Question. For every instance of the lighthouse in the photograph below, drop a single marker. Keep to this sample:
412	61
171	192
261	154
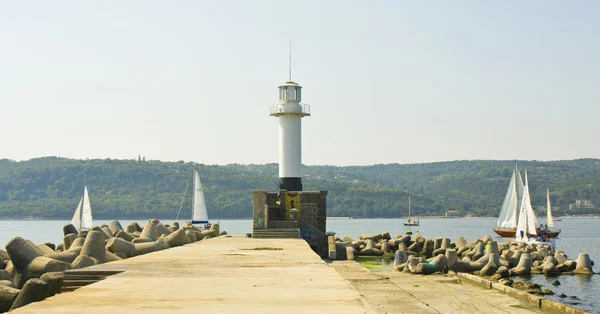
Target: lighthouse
291	212
290	111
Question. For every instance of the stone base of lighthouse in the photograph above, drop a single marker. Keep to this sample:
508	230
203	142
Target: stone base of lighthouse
292	214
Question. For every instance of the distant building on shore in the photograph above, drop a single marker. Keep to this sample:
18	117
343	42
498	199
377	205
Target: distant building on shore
452	213
582	204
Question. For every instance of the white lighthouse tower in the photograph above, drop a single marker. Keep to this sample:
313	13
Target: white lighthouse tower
289	111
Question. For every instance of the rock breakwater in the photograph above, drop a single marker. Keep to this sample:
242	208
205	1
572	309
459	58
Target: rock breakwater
31	273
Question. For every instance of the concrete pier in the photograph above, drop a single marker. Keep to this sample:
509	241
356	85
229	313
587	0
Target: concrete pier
246	275
397	292
220	275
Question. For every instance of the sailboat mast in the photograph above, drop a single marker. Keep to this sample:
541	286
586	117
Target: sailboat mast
526	191
193	197
409	206
515	175
81	208
81	211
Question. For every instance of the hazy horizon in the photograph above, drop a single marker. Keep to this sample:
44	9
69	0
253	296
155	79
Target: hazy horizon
413	163
388	82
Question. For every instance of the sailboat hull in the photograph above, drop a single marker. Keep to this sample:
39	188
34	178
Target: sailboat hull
510	233
204	225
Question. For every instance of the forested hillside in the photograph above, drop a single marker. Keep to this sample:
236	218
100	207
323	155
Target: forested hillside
51	187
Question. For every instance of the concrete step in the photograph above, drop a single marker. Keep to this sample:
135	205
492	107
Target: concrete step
275	236
278	230
74	284
75	279
277	233
103	273
84	277
282	224
79	283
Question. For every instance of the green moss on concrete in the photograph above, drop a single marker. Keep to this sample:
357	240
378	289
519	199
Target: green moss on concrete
375	263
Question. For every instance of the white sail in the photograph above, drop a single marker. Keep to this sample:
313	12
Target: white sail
199	212
549	222
76	221
520	189
86	214
508	213
522	226
409	206
532	221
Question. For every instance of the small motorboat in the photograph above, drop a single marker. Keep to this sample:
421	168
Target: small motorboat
411	222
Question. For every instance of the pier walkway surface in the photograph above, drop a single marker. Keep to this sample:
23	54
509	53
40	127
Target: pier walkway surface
396	292
245	275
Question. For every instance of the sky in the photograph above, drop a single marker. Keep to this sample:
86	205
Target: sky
387	81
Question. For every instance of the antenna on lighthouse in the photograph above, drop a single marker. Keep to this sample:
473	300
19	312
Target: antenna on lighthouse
290	60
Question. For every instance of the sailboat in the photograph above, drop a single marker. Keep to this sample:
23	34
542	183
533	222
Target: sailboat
507	221
199	212
516	199
549	219
82	219
409	221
